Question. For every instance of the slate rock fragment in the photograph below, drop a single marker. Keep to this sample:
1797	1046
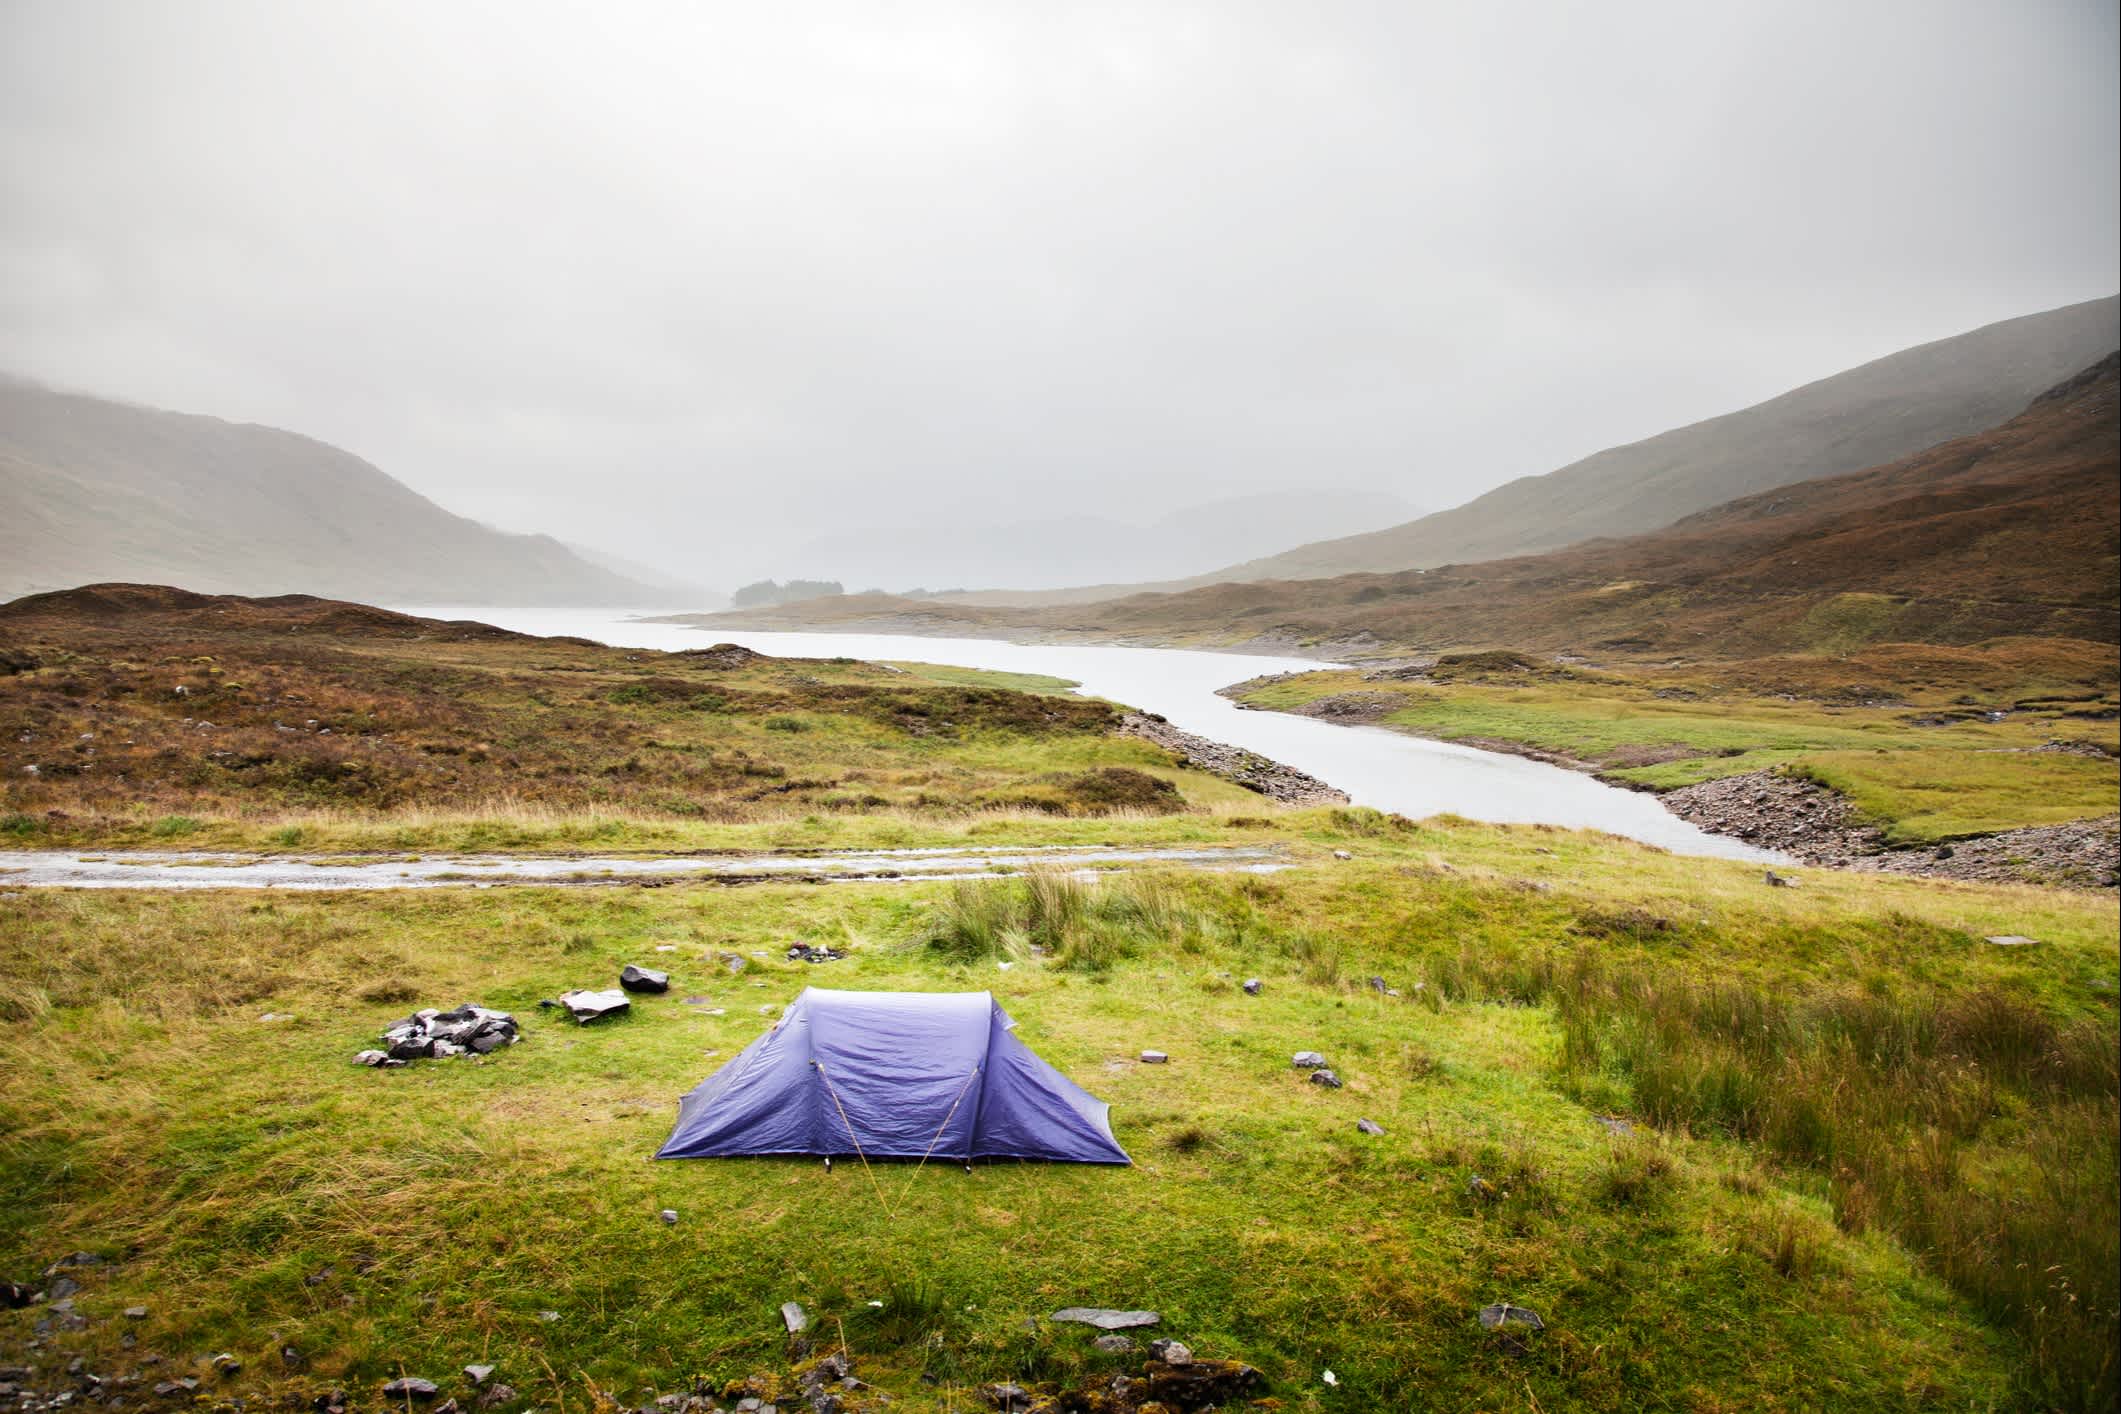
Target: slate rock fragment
411	1387
1308	1060
586	1007
1325	1078
634	978
1106	1320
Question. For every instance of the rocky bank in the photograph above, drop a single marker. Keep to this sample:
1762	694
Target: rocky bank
1248	769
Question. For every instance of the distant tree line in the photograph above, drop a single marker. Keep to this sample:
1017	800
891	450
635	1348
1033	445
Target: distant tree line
767	591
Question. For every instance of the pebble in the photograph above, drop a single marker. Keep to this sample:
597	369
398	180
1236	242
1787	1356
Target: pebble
136	1313
1253	986
1154	1058
669	1217
794	1317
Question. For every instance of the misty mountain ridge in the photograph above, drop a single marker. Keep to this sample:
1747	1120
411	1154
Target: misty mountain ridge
1093	546
1877	412
96	489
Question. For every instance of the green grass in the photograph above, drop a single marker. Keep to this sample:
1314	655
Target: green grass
991	677
1544	976
1921	783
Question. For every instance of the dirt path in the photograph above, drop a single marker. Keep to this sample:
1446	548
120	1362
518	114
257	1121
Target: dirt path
143	870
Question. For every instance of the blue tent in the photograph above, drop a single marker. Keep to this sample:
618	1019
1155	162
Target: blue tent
895	1075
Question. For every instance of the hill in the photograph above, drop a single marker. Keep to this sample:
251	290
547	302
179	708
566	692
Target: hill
2010	531
1878	412
92	489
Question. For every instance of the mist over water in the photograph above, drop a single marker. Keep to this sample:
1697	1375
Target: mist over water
1376	767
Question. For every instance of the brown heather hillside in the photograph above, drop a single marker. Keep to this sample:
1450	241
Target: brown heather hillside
2007	533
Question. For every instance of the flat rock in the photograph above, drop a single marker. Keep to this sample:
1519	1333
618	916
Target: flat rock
1115	1344
1253	986
1106	1320
136	1313
2012	940
1502	1313
478	1374
794	1317
1308	1060
411	1387
586	1007
1369	1126
1154	1058
1325	1078
642	979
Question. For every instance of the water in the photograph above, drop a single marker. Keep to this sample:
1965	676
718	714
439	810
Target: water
1376	767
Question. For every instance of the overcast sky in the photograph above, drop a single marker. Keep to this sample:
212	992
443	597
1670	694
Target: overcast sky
704	281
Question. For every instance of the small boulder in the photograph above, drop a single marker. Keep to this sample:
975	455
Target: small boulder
1342	854
1326	1079
1253	986
1171	1352
1502	1313
1368	1126
1780	881
586	1007
1308	1060
643	979
1154	1058
371	1057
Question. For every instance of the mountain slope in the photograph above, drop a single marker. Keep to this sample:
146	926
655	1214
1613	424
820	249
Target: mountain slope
2010	531
92	489
1883	410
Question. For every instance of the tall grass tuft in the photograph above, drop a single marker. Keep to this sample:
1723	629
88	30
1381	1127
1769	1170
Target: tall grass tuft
1084	925
1892	1097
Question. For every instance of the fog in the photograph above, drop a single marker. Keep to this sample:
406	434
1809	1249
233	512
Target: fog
708	284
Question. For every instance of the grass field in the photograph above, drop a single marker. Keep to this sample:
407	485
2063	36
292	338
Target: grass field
1859	1127
1925	763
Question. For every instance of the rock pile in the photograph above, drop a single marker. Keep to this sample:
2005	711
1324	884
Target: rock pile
813	952
469	1030
1248	769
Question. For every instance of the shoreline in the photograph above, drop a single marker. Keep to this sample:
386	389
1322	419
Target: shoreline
1816	825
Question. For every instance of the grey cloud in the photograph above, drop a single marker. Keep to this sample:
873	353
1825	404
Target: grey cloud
704	283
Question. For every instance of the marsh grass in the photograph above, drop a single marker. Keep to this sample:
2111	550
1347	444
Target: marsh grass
145	1112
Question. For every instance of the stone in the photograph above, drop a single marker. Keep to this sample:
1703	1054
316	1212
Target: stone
1308	1060
291	1358
1613	1124
371	1057
1502	1313
2012	940
1780	881
494	1396
730	960
1369	1126
1325	1078
1377	984
62	1288
136	1313
794	1317
813	952
1106	1320
183	1385
411	1387
1253	986
1171	1352
1154	1058
1480	1188
586	1007
642	979
478	1374
1005	1397
1114	1344
669	1217
549	1317
1342	854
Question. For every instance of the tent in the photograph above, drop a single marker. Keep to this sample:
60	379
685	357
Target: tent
898	1075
